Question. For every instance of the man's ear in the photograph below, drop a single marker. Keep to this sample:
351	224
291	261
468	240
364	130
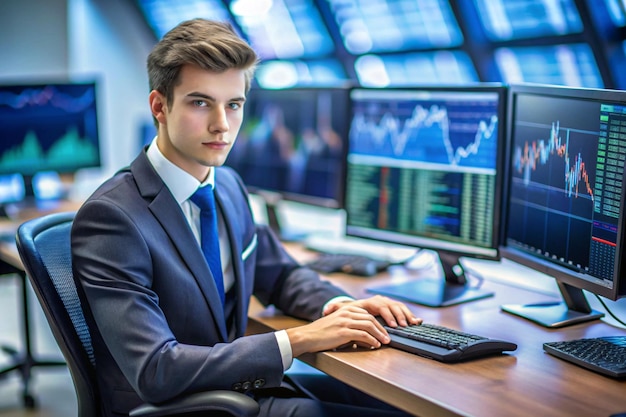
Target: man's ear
158	106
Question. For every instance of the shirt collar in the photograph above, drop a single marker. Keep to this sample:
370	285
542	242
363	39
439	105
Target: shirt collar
180	183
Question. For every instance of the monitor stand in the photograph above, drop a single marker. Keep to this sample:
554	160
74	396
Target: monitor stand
572	310
437	292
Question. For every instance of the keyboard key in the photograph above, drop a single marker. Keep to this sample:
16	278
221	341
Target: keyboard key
383	251
360	265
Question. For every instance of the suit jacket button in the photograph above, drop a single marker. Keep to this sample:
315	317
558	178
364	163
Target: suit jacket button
246	385
237	386
259	383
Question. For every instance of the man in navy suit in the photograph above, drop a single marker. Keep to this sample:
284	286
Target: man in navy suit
159	327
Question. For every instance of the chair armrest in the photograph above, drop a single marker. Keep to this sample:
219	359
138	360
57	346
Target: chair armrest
232	402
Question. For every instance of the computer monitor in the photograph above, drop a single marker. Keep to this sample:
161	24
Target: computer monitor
565	199
292	145
47	129
424	169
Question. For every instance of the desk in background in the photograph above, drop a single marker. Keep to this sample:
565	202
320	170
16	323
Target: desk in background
11	265
526	382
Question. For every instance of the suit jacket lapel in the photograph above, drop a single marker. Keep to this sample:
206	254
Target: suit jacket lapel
168	213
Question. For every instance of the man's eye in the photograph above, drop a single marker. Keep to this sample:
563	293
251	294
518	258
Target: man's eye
235	106
199	103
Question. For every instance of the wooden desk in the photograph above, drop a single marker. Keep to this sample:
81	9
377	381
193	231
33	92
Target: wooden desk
526	382
9	257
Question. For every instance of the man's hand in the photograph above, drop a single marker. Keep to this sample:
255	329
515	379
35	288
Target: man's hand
347	324
393	312
351	322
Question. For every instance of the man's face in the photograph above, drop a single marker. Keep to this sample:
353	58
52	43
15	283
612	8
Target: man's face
199	128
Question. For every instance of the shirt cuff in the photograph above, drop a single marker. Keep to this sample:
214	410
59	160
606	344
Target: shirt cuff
338	299
284	346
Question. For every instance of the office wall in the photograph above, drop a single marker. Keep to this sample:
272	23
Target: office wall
33	38
106	40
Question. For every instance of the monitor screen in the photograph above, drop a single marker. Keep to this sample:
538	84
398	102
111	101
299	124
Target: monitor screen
292	143
565	190
572	64
424	169
48	128
505	20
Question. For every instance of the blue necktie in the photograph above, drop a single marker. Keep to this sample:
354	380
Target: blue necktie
203	198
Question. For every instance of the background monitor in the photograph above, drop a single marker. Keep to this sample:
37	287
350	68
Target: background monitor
47	129
292	145
424	169
565	193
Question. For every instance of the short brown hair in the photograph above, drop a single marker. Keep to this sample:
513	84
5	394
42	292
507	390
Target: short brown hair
211	45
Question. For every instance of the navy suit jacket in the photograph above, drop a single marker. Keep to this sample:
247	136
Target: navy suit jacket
157	326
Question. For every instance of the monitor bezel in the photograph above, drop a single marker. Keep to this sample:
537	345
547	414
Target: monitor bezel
558	272
437	244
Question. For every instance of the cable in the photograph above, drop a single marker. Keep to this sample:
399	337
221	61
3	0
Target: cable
608	310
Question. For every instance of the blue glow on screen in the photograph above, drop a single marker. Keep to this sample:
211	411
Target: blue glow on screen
286	74
48	127
572	65
419	68
283	28
163	15
390	26
514	19
617	11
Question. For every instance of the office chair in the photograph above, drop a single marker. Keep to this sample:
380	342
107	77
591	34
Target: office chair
44	247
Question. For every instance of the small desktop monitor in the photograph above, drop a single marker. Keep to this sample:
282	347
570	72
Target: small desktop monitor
424	168
565	199
293	142
291	146
47	129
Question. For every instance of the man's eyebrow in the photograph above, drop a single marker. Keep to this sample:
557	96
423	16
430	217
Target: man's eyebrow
211	98
201	95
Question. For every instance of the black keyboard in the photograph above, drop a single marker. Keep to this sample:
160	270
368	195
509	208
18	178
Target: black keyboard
347	263
605	355
444	344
